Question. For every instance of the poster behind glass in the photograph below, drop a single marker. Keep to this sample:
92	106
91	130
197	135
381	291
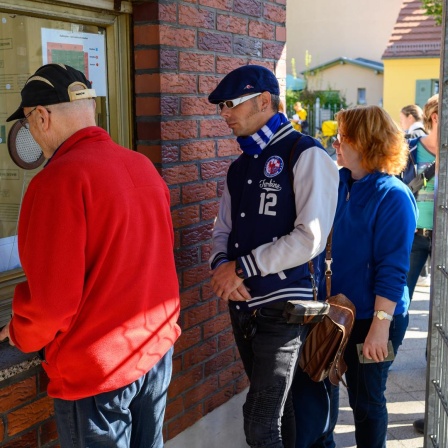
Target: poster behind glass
26	43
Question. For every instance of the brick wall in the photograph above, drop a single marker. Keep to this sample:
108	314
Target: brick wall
26	412
182	50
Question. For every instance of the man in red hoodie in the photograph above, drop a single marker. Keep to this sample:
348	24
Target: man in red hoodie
96	244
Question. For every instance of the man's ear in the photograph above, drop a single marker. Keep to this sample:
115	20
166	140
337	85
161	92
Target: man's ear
265	100
43	117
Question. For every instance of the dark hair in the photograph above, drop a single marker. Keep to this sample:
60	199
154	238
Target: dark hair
414	110
275	102
372	132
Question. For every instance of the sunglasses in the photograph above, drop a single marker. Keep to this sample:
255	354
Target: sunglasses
230	104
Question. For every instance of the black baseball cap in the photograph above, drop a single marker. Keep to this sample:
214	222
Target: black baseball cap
245	80
50	85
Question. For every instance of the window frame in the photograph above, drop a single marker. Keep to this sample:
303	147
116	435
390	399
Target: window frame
117	25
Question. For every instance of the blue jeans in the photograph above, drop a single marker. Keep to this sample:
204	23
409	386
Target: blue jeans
270	359
315	410
421	250
367	384
129	417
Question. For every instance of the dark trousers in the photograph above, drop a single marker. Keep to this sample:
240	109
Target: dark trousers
367	384
421	250
270	359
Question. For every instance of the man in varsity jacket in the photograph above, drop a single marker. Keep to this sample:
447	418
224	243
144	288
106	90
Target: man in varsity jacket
275	214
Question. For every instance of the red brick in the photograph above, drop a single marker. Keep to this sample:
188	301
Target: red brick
197	150
209	210
212	41
176	426
170	153
217	363
153	152
146	35
178	83
186	258
197	106
207	293
187	339
146	59
214	128
216	325
180	174
206	250
248	7
176	240
28	440
228	147
226	339
43	381
262	30
145	12
190	297
48	432
196	315
177	37
208	83
197	234
147	106
186	381
225	64
274	50
185	216
198	192
204	389
241	384
195	62
174	408
274	13
147	83
29	415
230	373
177	130
219	398
174	196
148	130
218	4
167	12
217	168
2	430
17	394
197	355
247	46
232	24
280	33
200	18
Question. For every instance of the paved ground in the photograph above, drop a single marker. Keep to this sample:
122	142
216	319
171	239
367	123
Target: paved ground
222	428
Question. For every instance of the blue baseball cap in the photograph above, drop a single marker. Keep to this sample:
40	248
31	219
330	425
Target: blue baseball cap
245	80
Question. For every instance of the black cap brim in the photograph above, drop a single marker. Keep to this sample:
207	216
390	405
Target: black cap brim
17	115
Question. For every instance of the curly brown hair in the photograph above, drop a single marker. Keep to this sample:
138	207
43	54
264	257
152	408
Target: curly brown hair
372	132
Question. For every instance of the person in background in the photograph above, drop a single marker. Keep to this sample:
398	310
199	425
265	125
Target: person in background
411	121
423	152
275	213
92	299
372	237
299	118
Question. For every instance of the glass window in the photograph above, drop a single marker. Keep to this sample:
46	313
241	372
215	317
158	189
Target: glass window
361	96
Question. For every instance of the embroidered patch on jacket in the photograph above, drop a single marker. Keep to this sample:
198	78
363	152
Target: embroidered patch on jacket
273	167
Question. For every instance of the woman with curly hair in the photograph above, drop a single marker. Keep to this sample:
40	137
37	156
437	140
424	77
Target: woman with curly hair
372	238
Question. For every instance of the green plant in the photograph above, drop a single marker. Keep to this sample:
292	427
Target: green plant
434	8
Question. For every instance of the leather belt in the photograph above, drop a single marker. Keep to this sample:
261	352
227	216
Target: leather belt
424	232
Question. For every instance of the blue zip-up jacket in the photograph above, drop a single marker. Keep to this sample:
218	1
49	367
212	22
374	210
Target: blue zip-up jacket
275	215
372	238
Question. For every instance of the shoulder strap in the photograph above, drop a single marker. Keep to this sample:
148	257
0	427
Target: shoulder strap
328	261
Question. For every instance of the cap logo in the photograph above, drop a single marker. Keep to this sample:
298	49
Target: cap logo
248	87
